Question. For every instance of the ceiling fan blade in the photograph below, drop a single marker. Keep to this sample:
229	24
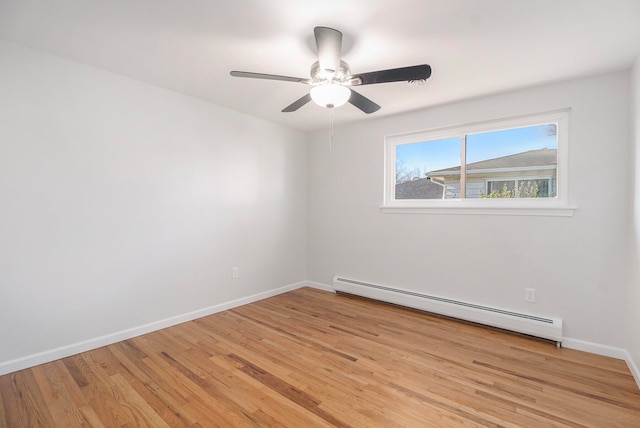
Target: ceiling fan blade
297	104
329	43
416	72
268	76
363	103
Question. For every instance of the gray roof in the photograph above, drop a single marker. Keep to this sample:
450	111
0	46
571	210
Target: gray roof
542	157
422	188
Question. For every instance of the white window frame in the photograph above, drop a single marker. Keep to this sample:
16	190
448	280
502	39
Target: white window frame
556	206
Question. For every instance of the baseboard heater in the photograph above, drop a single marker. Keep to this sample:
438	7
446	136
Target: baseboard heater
538	326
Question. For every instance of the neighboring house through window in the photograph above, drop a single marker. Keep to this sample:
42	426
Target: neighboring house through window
529	174
523	160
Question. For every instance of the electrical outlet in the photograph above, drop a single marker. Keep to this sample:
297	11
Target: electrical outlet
235	272
530	295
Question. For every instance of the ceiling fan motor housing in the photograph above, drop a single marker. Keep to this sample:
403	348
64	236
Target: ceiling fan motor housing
341	76
331	78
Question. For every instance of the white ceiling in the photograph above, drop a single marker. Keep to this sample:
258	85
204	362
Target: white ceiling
475	47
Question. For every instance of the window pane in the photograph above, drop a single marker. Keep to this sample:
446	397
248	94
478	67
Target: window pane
513	163
500	186
416	161
524	159
534	188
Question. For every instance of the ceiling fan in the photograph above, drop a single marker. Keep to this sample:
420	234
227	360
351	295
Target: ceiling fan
331	79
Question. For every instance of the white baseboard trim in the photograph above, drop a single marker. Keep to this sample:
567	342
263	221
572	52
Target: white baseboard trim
87	345
633	368
594	348
320	286
607	351
578	345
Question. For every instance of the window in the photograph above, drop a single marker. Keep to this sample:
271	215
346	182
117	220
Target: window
515	166
519	188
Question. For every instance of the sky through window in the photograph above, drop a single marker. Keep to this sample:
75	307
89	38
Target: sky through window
445	153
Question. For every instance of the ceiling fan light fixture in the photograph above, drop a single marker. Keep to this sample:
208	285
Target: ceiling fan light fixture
331	77
330	95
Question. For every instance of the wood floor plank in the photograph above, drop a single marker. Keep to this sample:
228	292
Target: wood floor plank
312	358
57	398
101	392
25	407
156	390
3	421
143	412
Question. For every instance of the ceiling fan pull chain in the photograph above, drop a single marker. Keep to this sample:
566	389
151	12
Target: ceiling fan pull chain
330	132
331	79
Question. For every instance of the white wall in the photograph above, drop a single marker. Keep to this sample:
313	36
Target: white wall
578	265
122	204
633	311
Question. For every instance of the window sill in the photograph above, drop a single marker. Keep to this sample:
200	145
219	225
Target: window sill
456	207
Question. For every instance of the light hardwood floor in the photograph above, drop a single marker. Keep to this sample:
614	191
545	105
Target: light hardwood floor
311	358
